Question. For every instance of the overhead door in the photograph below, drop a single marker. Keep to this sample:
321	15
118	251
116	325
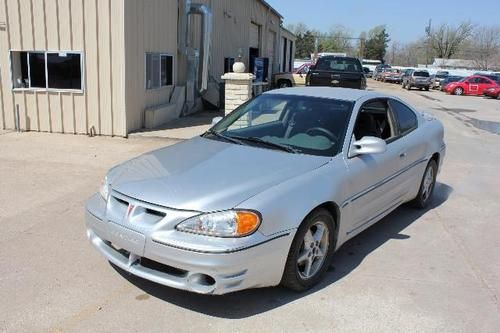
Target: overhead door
254	35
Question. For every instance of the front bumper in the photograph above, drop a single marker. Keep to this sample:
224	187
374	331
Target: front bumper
201	264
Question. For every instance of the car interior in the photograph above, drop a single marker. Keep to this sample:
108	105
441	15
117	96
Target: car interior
313	125
374	120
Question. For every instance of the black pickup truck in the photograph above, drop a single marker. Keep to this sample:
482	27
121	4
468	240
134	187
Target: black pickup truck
333	71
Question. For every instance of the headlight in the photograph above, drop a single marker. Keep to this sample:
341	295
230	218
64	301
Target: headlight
232	223
104	190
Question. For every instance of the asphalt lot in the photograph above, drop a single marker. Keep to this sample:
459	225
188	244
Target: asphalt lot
415	271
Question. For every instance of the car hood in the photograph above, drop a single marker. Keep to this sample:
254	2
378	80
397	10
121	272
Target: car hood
207	175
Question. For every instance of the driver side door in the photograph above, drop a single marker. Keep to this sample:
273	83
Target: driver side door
373	182
472	86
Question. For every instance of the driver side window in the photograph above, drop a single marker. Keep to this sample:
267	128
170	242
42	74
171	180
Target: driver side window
374	119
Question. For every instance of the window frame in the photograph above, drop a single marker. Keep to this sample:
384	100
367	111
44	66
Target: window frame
396	119
390	116
160	54
45	52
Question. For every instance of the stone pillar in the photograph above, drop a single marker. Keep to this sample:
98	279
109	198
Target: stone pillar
238	89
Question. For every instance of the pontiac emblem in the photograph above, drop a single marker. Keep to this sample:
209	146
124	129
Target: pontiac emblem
130	209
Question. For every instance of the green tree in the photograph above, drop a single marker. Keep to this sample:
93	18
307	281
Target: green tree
336	40
305	44
377	42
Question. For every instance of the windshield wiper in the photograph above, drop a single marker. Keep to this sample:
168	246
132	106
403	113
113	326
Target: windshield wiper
267	143
222	136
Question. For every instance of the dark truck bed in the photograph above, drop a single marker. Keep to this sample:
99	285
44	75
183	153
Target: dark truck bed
331	71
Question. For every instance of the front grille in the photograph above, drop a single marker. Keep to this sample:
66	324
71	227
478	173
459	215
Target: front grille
134	210
154	265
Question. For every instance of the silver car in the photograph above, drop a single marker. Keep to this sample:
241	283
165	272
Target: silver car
268	194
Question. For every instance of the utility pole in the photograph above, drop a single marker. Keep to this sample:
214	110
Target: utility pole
316	48
428	33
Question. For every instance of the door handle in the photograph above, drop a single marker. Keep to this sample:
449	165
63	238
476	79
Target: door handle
402	155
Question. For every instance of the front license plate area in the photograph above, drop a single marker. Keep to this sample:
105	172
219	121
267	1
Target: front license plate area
126	239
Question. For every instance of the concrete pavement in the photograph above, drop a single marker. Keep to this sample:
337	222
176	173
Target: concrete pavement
415	271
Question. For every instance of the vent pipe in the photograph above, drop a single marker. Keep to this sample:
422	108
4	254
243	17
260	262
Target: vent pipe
206	39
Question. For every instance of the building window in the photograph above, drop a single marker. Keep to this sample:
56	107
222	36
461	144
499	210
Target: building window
46	70
159	70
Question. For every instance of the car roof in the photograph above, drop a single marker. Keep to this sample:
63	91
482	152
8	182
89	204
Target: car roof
345	94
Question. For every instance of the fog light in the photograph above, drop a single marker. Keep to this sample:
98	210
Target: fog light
201	283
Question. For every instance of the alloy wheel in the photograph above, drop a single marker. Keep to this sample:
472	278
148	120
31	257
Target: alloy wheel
427	184
313	250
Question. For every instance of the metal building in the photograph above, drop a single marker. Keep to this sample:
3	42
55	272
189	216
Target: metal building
114	66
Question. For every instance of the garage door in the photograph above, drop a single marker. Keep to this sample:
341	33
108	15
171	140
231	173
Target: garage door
254	35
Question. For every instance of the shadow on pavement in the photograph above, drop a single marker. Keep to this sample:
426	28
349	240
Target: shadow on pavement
252	302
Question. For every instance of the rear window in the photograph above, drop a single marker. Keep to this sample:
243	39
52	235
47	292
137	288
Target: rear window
421	74
338	64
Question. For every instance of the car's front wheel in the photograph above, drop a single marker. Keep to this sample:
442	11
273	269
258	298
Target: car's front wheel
311	251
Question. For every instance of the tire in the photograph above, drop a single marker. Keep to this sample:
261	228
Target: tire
284	84
427	186
408	86
459	91
498	96
427	89
305	266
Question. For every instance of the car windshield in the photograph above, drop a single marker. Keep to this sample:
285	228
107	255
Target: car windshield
295	124
421	74
338	64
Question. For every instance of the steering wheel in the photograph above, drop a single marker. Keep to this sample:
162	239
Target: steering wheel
322	130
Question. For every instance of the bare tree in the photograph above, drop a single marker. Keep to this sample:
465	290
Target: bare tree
446	40
486	46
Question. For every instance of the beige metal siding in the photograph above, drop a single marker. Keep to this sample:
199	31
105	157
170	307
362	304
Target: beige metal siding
233	22
93	27
150	26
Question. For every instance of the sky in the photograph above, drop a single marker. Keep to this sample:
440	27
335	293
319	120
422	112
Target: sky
405	20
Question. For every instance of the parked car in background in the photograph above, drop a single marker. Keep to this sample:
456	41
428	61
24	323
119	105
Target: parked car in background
450	79
493	92
333	71
493	77
320	166
367	72
378	71
405	73
471	85
392	75
295	79
419	79
439	77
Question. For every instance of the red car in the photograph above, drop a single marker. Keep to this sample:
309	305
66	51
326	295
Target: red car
472	85
493	92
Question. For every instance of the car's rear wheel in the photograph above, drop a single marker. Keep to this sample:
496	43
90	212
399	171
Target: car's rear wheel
284	84
311	251
426	186
458	91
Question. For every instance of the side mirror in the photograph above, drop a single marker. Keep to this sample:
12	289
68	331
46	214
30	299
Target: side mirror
367	145
216	120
